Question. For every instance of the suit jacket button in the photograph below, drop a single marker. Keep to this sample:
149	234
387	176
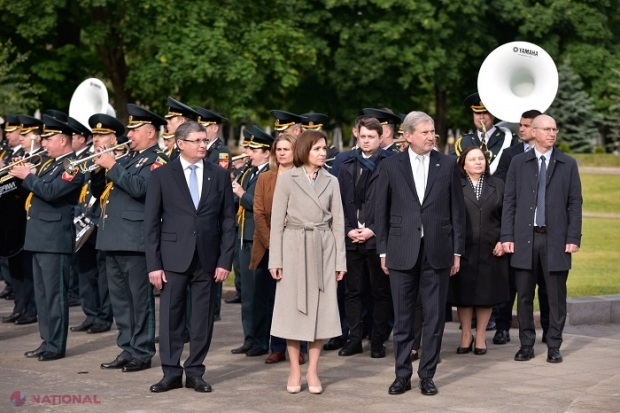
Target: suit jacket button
105	216
28	218
194	233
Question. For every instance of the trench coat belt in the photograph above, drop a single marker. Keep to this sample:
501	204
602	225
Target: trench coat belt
315	238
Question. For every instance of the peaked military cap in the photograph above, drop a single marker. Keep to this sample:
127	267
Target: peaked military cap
61	116
139	116
29	124
102	124
284	119
313	120
53	126
402	117
207	117
11	123
474	103
383	116
259	139
247	137
167	135
176	108
76	124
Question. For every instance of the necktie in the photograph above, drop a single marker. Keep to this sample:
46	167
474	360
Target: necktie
419	178
542	184
253	172
193	185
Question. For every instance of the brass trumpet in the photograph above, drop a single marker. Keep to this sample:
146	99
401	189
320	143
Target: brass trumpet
238	157
73	166
4	172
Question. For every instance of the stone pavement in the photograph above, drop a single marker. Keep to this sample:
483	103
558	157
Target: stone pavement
587	381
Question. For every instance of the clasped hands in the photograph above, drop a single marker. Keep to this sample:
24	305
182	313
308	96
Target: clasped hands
360	235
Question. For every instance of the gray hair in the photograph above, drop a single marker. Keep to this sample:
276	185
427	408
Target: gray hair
186	128
414	119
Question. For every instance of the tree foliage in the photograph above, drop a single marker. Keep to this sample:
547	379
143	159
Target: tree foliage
17	95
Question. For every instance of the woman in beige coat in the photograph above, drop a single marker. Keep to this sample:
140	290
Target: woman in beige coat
307	256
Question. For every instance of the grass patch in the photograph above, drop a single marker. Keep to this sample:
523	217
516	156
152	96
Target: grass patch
601	160
601	193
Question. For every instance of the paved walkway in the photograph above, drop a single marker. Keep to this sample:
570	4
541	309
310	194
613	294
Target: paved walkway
599	170
587	381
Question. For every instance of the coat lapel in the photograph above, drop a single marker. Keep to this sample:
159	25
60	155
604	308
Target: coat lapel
206	183
407	173
468	192
179	177
322	182
433	170
488	189
552	164
300	178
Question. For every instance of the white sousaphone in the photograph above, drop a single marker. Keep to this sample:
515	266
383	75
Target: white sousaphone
89	98
517	77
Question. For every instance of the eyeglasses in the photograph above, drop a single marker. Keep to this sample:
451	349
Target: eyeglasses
197	141
549	130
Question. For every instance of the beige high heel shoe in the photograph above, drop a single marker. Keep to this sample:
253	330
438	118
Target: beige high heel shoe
293	389
314	389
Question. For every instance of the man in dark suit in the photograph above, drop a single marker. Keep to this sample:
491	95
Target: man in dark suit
420	220
504	316
358	179
541	227
190	235
50	235
121	188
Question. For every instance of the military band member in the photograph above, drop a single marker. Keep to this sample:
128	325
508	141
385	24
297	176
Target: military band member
217	152
390	123
496	139
287	122
57	114
121	188
50	235
94	292
178	113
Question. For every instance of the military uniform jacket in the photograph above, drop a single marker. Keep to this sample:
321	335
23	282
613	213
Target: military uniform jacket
219	154
121	193
49	225
173	152
246	204
494	144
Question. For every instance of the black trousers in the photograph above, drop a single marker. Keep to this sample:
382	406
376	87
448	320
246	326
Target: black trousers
51	282
432	285
255	316
556	292
20	267
504	321
133	303
379	287
172	321
94	292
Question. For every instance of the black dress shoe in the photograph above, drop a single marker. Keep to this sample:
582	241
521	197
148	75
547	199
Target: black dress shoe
350	349
501	337
241	350
216	318
377	352
465	350
525	353
34	353
118	363
82	327
23	320
427	387
98	328
256	351
198	384
136	365
480	351
400	385
166	384
73	302
544	337
235	300
11	318
5	293
49	356
334	344
554	355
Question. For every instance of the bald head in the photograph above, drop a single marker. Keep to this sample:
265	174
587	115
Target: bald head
538	120
545	132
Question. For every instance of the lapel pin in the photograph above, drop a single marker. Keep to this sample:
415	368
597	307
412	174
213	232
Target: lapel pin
436	164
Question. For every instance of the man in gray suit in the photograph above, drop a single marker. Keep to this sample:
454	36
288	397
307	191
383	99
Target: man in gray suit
420	221
541	227
50	235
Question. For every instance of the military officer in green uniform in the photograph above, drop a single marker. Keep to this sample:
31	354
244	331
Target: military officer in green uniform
493	140
50	235
178	113
121	187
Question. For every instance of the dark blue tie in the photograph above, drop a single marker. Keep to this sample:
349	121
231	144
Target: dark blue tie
542	184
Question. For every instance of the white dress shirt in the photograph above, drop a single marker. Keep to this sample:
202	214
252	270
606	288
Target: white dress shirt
199	173
419	181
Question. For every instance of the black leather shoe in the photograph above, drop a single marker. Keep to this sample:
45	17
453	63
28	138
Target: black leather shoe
465	350
544	337
82	327
136	365
216	318
198	384
501	337
481	351
525	353
415	355
73	302
256	351
23	320
98	328
554	355
49	356
34	353
118	363
235	300
166	384
350	349
5	293
11	318
241	350
427	387
11	296
377	352
400	385
334	344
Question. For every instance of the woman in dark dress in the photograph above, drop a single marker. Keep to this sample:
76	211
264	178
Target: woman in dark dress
482	281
